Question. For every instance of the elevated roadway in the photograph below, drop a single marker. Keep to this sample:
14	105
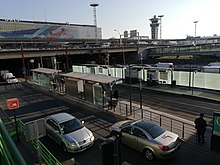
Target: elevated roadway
34	52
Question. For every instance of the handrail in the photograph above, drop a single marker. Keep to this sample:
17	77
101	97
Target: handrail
45	154
9	152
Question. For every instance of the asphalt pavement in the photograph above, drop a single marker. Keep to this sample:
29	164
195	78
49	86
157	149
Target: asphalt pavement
199	93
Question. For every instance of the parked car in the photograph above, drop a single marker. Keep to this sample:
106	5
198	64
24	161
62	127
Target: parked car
12	80
69	132
147	137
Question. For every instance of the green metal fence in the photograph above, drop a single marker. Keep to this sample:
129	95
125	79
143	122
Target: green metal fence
45	154
10	155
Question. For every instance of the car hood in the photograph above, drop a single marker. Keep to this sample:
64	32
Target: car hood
118	125
79	135
12	80
167	138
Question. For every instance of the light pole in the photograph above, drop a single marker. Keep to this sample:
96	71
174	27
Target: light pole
160	18
130	89
119	36
195	22
120	43
32	63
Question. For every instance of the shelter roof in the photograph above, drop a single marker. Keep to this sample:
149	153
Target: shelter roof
46	70
92	77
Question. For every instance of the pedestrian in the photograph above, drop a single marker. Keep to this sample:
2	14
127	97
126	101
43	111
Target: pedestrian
62	85
200	125
115	94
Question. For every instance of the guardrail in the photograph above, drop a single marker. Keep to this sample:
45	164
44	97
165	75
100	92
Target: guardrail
8	150
45	154
184	128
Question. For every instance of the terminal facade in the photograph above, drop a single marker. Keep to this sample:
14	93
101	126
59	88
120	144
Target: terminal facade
21	29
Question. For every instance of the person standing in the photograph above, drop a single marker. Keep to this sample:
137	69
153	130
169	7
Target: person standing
115	94
200	125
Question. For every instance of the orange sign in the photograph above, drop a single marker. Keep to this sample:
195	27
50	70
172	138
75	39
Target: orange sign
13	103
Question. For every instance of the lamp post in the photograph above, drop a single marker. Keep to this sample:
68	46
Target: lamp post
120	43
160	18
119	36
130	89
195	22
32	64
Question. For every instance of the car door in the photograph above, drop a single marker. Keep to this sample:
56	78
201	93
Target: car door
53	131
128	137
142	139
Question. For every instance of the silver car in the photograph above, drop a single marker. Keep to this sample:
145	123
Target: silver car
147	137
68	132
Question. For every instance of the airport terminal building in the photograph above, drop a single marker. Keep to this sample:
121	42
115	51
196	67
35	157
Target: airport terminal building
21	29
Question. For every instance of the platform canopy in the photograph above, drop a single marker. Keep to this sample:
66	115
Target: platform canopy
46	70
93	77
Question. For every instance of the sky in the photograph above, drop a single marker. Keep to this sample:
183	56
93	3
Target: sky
177	23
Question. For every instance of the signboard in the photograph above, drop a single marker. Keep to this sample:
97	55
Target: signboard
216	124
13	103
97	94
35	129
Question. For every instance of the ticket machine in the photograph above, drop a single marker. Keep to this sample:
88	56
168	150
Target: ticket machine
215	139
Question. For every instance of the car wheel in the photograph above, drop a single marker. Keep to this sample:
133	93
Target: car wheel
149	154
64	147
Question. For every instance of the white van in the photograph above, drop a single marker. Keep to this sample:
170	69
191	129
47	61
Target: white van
7	75
12	80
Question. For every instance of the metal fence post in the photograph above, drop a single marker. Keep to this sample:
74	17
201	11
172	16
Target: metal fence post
171	125
183	132
134	111
160	120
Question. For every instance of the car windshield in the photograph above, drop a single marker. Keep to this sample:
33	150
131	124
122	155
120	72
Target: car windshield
127	123
153	129
71	126
11	78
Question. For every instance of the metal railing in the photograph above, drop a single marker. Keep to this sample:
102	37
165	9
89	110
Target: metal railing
9	153
45	154
184	128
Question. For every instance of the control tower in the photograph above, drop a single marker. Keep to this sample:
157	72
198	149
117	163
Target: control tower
154	27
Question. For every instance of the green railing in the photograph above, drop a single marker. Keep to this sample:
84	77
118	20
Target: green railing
10	155
45	154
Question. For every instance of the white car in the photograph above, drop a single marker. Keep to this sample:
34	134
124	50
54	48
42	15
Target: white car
69	132
147	137
12	80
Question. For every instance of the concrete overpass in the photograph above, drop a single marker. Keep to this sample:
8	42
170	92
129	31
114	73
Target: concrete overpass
34	52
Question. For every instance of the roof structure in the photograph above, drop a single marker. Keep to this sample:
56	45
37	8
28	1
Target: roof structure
46	70
92	77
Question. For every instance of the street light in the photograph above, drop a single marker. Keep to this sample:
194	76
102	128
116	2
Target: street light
32	63
195	22
120	43
119	36
160	18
